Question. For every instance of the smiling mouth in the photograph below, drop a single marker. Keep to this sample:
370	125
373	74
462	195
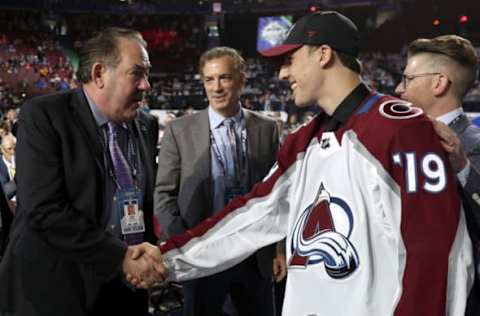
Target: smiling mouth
219	98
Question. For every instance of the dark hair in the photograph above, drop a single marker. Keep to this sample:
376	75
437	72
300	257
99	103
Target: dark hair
350	62
103	48
347	60
222	51
456	49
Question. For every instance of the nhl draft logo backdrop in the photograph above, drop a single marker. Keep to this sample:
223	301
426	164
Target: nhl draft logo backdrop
321	235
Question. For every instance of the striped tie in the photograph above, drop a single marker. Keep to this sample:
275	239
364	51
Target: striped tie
232	138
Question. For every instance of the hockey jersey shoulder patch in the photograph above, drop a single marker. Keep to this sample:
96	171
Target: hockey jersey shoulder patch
399	110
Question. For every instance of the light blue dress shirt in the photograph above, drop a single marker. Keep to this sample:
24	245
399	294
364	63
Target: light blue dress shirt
222	166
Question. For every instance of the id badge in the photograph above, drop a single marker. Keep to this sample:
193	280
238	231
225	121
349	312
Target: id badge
129	204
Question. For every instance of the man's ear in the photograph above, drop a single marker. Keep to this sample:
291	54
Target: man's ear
440	84
325	55
243	78
97	75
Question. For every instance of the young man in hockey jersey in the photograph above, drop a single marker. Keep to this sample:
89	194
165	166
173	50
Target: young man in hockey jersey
363	194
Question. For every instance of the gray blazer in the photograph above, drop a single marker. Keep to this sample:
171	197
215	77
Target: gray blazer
469	135
183	192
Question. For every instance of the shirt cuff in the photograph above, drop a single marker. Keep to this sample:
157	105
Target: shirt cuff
169	266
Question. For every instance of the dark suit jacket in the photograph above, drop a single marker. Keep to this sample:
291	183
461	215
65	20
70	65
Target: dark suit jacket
8	190
6	218
183	191
59	253
4	176
9	185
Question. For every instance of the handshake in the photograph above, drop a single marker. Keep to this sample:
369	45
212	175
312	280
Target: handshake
143	265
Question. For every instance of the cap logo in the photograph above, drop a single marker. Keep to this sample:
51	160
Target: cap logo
311	33
290	30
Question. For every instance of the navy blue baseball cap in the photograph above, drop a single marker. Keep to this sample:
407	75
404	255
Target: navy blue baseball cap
319	28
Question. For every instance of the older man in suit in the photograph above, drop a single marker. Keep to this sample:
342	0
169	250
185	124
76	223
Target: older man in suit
205	160
7	165
438	74
83	157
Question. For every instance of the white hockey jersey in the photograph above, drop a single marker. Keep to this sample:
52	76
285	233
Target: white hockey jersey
371	215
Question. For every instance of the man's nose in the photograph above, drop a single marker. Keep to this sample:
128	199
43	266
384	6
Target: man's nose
284	73
399	89
145	85
217	85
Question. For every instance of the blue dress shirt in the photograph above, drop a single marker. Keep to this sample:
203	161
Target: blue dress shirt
222	166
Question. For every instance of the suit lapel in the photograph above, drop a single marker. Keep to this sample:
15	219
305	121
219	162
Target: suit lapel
87	125
141	131
201	138
253	135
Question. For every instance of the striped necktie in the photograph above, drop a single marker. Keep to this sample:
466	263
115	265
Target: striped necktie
232	138
122	170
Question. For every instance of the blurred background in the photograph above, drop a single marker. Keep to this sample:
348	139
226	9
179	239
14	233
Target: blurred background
39	40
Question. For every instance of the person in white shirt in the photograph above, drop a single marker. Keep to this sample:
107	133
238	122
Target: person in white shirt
438	74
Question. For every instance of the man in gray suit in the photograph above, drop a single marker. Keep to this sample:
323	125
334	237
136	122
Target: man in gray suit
205	160
439	73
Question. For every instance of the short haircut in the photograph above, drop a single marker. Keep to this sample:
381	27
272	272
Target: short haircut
7	138
455	51
103	48
348	61
219	52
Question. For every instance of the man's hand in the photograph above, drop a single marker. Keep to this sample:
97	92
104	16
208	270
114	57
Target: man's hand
452	145
279	267
143	265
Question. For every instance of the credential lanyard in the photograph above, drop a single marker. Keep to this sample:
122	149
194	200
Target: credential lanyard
240	162
131	160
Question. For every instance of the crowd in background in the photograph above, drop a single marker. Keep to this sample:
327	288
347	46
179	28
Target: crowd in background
36	64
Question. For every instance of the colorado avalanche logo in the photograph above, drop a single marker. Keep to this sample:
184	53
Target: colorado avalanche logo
316	239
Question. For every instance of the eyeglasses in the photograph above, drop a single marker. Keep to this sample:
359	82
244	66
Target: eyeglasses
407	78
